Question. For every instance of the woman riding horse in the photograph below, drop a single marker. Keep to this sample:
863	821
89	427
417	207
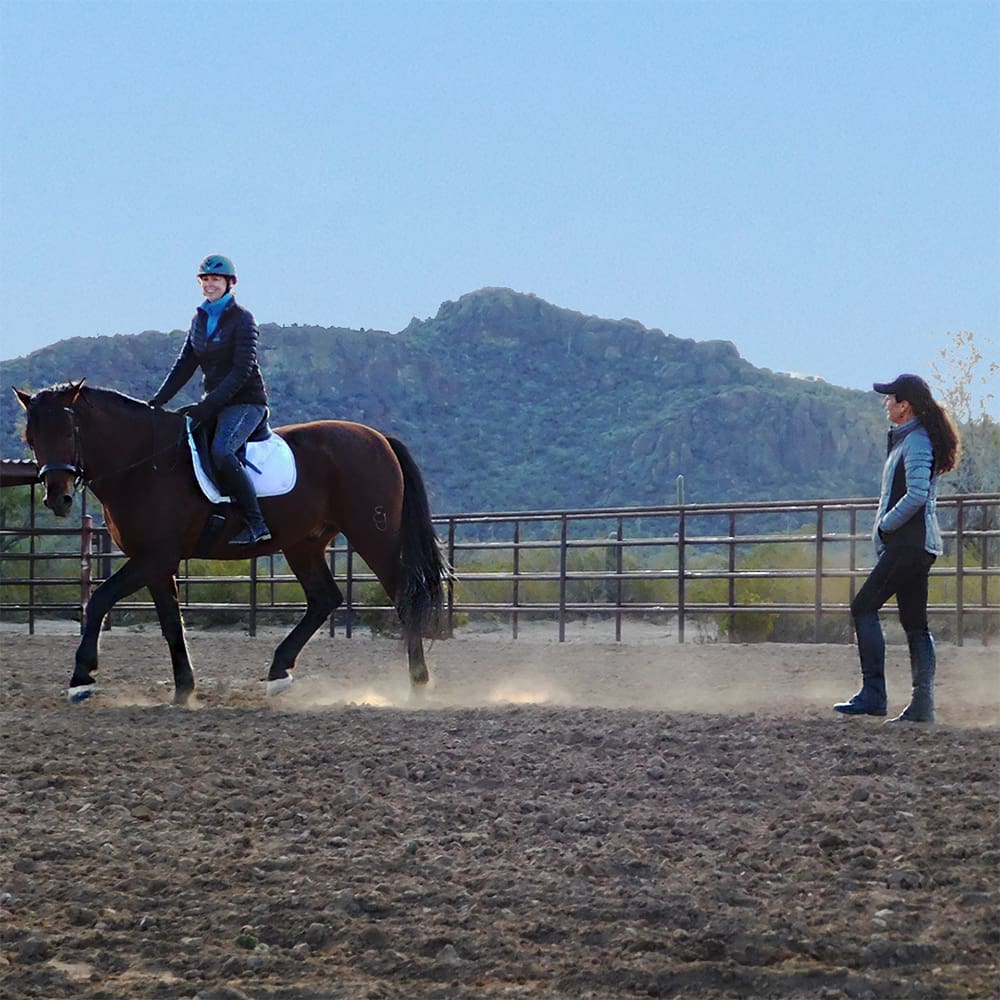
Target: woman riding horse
350	480
222	341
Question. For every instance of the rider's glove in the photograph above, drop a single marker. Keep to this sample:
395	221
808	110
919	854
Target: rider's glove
200	413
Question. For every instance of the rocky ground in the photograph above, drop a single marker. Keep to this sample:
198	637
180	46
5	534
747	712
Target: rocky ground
577	820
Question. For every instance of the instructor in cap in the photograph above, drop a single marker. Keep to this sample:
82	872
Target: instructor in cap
923	444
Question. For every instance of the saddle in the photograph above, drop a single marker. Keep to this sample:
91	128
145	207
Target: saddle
268	460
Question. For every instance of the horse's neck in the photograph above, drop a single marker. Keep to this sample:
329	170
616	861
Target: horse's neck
113	434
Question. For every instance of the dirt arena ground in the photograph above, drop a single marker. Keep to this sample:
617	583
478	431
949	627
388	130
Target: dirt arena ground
576	820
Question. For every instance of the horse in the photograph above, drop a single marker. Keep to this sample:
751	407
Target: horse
350	480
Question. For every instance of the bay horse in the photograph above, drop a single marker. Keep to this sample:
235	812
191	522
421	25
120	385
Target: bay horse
351	480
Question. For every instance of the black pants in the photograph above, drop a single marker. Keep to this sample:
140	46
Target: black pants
901	571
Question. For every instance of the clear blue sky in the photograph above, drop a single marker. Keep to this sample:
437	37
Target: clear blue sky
815	181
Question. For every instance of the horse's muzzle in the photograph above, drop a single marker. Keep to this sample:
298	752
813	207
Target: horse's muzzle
58	503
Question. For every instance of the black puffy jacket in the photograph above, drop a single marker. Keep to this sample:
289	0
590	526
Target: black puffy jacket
228	360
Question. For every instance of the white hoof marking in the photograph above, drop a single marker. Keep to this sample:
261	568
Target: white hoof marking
81	692
281	684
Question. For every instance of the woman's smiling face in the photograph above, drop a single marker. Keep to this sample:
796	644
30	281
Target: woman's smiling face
213	286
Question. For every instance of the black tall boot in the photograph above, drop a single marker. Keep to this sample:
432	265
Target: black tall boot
234	480
871	699
923	665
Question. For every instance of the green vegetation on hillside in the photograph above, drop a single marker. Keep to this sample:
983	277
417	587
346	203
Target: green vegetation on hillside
510	403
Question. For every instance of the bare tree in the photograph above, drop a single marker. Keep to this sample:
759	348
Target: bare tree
967	382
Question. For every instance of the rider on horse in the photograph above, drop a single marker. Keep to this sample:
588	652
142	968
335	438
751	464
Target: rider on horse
222	342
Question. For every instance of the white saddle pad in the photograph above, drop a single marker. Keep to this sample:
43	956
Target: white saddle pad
272	457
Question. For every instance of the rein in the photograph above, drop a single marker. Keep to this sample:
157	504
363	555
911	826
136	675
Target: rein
76	467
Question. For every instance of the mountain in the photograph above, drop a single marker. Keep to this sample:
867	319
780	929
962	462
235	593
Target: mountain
511	403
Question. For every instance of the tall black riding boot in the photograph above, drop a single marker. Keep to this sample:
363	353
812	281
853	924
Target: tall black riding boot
923	665
234	480
871	699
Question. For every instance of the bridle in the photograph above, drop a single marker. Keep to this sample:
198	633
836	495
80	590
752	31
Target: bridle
76	466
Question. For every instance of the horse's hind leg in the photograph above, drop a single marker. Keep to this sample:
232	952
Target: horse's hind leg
323	596
126	580
164	592
384	563
416	661
383	566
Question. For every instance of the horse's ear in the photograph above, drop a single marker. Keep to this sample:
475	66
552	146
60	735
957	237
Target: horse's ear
76	387
24	398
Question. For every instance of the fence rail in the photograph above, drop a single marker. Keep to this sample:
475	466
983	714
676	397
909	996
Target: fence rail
725	564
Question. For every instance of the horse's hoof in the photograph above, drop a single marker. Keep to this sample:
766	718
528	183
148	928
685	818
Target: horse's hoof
81	692
277	686
419	692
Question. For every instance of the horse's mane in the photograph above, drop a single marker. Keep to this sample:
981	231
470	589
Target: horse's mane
53	390
109	401
91	394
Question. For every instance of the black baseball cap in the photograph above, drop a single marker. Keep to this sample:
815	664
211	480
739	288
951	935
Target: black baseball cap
906	388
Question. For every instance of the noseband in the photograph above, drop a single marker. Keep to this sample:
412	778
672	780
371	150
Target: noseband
76	467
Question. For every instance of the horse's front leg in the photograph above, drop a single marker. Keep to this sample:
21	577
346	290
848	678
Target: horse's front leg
164	592
308	562
125	581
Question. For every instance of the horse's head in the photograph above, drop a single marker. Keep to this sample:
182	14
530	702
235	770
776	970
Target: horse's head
52	435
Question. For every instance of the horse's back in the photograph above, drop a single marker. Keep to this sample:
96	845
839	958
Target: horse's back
337	439
311	427
353	460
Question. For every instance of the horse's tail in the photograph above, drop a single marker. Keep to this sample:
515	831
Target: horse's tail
424	568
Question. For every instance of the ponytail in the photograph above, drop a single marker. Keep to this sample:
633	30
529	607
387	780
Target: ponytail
945	440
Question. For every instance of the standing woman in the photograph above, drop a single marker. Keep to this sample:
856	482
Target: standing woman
923	444
222	342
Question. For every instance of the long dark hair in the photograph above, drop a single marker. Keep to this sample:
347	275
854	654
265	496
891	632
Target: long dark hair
941	429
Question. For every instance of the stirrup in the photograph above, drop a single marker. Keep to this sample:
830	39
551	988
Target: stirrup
251	536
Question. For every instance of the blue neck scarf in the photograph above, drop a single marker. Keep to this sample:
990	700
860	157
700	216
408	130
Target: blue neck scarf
214	310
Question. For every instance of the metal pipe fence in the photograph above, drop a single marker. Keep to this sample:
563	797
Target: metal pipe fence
753	570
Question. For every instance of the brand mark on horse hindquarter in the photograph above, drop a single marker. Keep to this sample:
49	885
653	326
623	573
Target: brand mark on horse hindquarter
380	518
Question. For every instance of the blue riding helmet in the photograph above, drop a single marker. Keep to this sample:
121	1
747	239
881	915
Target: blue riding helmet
215	263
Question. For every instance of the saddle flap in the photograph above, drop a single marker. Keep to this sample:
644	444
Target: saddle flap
269	463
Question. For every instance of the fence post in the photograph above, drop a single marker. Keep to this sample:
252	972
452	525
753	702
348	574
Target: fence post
988	516
332	550
349	587
86	543
253	596
516	589
104	548
960	573
681	560
619	566
563	535
853	564
731	592
450	585
32	552
818	598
